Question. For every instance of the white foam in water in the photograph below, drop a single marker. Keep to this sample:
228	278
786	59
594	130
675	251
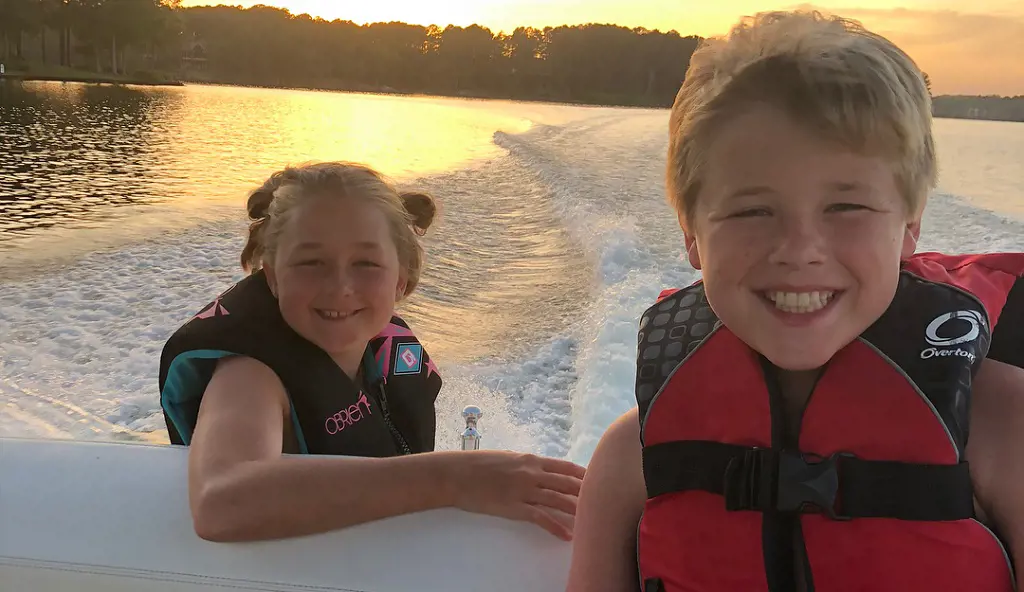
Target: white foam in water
610	194
630	273
80	349
82	346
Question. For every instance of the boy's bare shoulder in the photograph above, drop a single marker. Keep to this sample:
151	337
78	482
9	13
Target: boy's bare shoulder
615	472
625	431
619	453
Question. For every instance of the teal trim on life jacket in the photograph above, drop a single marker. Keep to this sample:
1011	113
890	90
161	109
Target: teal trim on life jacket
186	382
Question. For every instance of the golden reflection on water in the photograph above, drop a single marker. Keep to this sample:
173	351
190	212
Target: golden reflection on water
109	167
249	133
179	156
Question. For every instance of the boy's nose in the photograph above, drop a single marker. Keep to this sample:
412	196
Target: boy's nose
800	242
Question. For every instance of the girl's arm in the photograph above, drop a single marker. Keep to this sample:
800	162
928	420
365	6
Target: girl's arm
242	488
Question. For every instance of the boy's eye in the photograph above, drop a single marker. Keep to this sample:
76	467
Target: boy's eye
751	212
847	207
309	262
367	263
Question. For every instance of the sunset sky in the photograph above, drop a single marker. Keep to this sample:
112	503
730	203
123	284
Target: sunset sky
972	47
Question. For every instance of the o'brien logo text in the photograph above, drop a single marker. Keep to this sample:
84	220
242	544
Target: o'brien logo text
348	416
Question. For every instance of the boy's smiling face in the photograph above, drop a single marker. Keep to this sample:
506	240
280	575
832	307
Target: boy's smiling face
798	239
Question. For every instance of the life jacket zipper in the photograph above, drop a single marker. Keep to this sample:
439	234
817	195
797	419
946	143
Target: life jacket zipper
373	376
382	398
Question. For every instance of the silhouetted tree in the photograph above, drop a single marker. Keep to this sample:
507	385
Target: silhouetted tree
586	63
18	17
269	46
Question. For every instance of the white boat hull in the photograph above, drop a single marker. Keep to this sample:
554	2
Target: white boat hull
112	517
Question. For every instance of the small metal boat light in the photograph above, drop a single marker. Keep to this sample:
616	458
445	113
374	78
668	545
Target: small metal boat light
470	436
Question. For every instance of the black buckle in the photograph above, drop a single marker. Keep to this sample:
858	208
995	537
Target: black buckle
785	481
815	483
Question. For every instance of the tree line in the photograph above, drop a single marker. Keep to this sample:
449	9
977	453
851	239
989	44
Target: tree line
989	107
269	46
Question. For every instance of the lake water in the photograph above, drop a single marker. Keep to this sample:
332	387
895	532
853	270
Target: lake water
122	212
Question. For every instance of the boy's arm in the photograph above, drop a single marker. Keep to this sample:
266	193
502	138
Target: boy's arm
610	504
996	452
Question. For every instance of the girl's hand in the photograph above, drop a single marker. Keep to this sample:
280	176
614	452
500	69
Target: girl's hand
519	487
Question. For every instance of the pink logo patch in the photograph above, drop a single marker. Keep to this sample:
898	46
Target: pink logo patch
384	353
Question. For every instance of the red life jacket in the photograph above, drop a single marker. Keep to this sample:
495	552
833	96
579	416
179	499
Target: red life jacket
873	494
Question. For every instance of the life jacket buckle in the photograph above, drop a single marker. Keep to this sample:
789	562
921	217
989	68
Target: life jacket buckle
802	482
766	480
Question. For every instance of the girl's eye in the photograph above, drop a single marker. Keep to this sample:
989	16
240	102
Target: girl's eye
309	263
367	263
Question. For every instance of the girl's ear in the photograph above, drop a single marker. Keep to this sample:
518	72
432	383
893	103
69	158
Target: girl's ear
271	274
400	288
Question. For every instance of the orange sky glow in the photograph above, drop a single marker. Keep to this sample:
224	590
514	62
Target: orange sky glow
966	48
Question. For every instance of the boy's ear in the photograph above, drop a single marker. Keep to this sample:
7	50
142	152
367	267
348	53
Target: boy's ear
911	235
690	241
692	252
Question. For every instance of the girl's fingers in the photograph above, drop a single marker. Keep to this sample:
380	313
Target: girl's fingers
553	499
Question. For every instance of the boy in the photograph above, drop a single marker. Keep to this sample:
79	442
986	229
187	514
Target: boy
803	411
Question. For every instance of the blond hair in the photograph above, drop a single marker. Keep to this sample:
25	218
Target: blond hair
409	214
829	73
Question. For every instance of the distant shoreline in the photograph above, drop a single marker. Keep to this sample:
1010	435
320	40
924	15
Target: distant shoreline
979	108
965	107
88	79
965	118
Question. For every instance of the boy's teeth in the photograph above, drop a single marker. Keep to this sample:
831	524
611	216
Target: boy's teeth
800	302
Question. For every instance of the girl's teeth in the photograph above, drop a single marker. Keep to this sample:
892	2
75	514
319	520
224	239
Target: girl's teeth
800	302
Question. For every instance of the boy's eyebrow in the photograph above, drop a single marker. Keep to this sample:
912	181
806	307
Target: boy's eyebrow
845	186
756	190
751	191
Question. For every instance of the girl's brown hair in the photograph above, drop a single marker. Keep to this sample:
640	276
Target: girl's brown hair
409	214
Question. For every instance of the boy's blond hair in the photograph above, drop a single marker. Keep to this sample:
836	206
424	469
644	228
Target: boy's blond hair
844	82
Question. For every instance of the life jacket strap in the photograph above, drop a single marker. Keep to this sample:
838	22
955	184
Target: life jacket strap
840	486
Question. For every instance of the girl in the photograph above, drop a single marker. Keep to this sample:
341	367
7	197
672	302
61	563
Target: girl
305	355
